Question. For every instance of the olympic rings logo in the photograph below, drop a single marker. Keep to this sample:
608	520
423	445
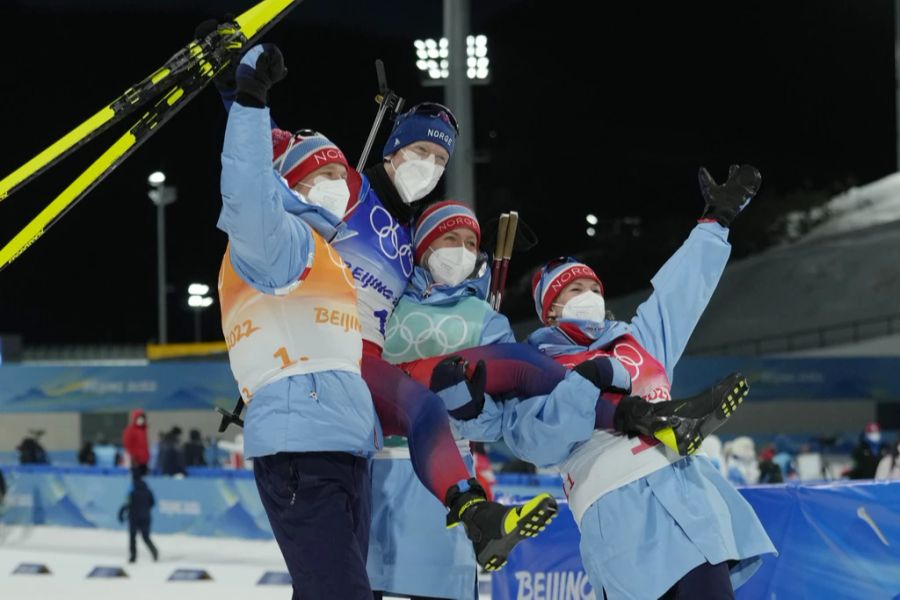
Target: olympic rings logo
386	229
629	356
423	337
337	261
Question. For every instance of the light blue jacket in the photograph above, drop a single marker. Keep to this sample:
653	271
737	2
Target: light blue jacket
544	430
270	244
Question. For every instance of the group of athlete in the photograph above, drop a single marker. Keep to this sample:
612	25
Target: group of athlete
363	345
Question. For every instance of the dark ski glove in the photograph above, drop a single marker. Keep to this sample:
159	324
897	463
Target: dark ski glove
606	373
451	371
260	69
724	202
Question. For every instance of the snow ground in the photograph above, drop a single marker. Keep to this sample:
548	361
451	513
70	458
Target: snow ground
235	566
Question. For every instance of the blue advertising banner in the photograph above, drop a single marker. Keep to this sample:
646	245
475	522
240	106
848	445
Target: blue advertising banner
546	568
162	386
835	540
202	385
795	378
227	506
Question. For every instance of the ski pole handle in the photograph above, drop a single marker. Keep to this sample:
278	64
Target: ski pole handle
509	244
498	257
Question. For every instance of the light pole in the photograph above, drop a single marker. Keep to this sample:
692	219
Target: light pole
457	62
161	195
198	300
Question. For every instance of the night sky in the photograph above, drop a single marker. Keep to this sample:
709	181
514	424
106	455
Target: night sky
610	114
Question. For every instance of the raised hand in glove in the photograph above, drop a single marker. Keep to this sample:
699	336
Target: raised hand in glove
260	69
725	201
452	371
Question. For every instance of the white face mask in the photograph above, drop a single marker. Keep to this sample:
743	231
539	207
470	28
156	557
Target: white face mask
874	437
586	306
451	266
416	177
330	194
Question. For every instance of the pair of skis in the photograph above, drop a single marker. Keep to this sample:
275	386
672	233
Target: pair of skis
506	239
167	90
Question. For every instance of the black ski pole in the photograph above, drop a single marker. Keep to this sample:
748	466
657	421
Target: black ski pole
231	417
387	100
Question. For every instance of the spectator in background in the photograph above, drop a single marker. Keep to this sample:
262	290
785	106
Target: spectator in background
137	510
171	455
194	450
86	455
2	487
134	439
889	465
785	458
32	453
740	461
154	453
769	471
867	453
106	454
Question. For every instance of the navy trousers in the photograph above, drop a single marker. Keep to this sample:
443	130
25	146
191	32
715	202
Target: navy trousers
141	526
320	507
705	582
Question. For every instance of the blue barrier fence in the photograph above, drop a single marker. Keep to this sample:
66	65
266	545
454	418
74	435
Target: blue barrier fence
836	540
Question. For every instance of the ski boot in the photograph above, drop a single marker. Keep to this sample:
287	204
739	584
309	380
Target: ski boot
495	529
683	424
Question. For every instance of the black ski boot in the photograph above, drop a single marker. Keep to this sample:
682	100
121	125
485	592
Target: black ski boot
494	528
683	424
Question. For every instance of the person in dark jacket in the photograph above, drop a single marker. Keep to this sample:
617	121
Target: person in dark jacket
137	510
194	450
171	456
86	455
769	470
867	453
32	453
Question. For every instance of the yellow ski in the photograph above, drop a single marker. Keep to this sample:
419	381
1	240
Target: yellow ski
251	23
188	71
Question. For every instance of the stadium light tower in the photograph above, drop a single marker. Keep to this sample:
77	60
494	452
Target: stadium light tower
433	59
161	195
198	301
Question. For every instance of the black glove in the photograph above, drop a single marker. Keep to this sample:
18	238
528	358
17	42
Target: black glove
260	69
451	371
724	202
225	79
123	513
600	372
